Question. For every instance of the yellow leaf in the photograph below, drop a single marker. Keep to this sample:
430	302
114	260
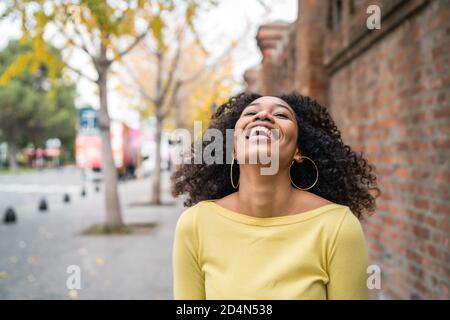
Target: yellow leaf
16	68
157	26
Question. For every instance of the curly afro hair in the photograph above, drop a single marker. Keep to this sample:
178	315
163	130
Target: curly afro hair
345	177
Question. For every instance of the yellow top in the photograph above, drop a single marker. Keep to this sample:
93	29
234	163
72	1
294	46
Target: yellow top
222	254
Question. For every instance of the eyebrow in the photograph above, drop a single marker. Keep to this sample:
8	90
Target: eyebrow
277	104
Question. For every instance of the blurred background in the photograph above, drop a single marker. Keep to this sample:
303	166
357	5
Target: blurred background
91	90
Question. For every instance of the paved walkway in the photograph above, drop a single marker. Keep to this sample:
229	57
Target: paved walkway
36	251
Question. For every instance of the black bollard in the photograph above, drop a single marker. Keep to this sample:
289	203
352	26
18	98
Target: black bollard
10	216
66	198
97	188
83	192
43	206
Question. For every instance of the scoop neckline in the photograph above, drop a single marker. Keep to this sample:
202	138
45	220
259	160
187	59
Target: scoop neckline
272	221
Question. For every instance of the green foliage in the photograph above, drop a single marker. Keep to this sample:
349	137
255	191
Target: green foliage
91	22
32	108
104	30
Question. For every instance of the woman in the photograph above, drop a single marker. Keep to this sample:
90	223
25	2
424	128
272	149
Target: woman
294	234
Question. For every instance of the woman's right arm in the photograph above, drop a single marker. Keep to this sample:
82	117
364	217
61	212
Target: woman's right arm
188	278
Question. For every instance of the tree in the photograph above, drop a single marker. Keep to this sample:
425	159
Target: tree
196	99
32	109
161	75
105	31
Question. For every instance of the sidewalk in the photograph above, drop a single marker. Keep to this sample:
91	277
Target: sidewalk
36	251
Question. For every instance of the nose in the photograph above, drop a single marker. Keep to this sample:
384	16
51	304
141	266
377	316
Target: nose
263	115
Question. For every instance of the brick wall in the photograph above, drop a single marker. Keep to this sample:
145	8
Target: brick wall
389	92
273	40
252	77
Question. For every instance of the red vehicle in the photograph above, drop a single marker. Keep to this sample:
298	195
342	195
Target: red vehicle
124	142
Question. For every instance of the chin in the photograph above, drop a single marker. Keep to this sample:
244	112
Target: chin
256	152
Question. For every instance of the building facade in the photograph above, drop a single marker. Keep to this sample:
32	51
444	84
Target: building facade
388	90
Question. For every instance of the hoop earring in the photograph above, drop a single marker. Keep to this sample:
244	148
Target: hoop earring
231	176
317	174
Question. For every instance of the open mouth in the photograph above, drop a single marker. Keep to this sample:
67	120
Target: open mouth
261	133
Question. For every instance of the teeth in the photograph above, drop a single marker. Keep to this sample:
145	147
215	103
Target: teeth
266	131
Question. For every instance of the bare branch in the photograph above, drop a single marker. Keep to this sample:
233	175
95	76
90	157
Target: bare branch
139	85
224	54
132	45
146	95
175	62
165	111
83	41
70	40
149	50
264	5
79	72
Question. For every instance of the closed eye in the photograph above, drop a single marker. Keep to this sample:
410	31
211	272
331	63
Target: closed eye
281	115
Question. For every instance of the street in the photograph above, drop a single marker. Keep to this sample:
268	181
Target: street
36	250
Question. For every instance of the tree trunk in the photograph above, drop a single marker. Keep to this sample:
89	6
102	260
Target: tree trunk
156	188
112	203
179	121
139	166
156	181
139	159
12	153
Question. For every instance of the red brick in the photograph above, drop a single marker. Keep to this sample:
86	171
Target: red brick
390	100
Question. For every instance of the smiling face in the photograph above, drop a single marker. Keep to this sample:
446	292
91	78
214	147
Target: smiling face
265	123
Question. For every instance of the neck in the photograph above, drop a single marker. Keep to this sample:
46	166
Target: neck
263	195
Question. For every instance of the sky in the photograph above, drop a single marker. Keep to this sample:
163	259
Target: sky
217	29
